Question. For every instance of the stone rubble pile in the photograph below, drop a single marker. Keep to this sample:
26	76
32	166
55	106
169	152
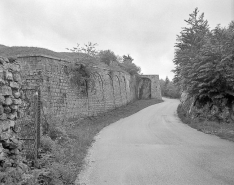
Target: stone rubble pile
10	111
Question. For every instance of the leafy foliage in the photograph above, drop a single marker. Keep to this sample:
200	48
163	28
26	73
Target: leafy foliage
129	66
169	89
107	56
204	61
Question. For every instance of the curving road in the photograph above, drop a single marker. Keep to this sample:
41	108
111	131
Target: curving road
153	147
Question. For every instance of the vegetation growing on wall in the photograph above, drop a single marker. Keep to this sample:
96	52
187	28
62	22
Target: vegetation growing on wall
107	56
204	62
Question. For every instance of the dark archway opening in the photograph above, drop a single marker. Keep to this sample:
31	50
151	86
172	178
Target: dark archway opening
144	89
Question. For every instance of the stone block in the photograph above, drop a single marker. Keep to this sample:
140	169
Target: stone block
5	125
14	107
1	110
7	110
12	123
14	67
17	77
11	146
14	85
2	82
20	113
3	116
12	116
17	101
6	60
2	74
8	101
9	76
2	99
5	136
5	90
16	93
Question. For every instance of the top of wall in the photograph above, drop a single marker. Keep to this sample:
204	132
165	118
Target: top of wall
70	62
69	57
150	76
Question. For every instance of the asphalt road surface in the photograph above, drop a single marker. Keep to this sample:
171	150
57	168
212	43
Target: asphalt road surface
154	147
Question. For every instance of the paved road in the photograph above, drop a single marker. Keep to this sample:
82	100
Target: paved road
153	147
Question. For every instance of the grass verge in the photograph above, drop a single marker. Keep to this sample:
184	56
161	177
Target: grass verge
223	130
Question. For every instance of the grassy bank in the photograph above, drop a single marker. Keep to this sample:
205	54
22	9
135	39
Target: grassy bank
65	147
223	130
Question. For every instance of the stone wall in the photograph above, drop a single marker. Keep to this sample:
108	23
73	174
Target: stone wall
10	111
155	86
64	100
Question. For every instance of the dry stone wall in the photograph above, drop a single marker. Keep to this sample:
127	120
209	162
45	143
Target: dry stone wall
11	166
64	100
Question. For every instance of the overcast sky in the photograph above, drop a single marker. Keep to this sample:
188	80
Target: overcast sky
145	29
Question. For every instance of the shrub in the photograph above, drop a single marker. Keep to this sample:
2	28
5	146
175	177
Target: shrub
47	144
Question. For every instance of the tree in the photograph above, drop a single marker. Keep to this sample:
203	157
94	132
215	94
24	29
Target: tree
127	58
89	49
107	56
215	75
188	46
129	66
169	89
204	62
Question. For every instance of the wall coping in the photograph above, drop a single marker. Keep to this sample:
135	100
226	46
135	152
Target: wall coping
148	75
45	56
65	60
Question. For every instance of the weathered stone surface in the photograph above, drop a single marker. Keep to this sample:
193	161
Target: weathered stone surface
17	101
16	77
8	101
7	109
2	99
144	88
154	86
5	90
12	116
9	76
5	136
2	76
2	82
1	110
14	107
2	61
16	93
20	113
12	59
12	123
5	125
108	90
6	60
14	85
8	114
3	116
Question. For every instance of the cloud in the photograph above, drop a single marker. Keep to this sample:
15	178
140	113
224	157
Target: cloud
144	29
